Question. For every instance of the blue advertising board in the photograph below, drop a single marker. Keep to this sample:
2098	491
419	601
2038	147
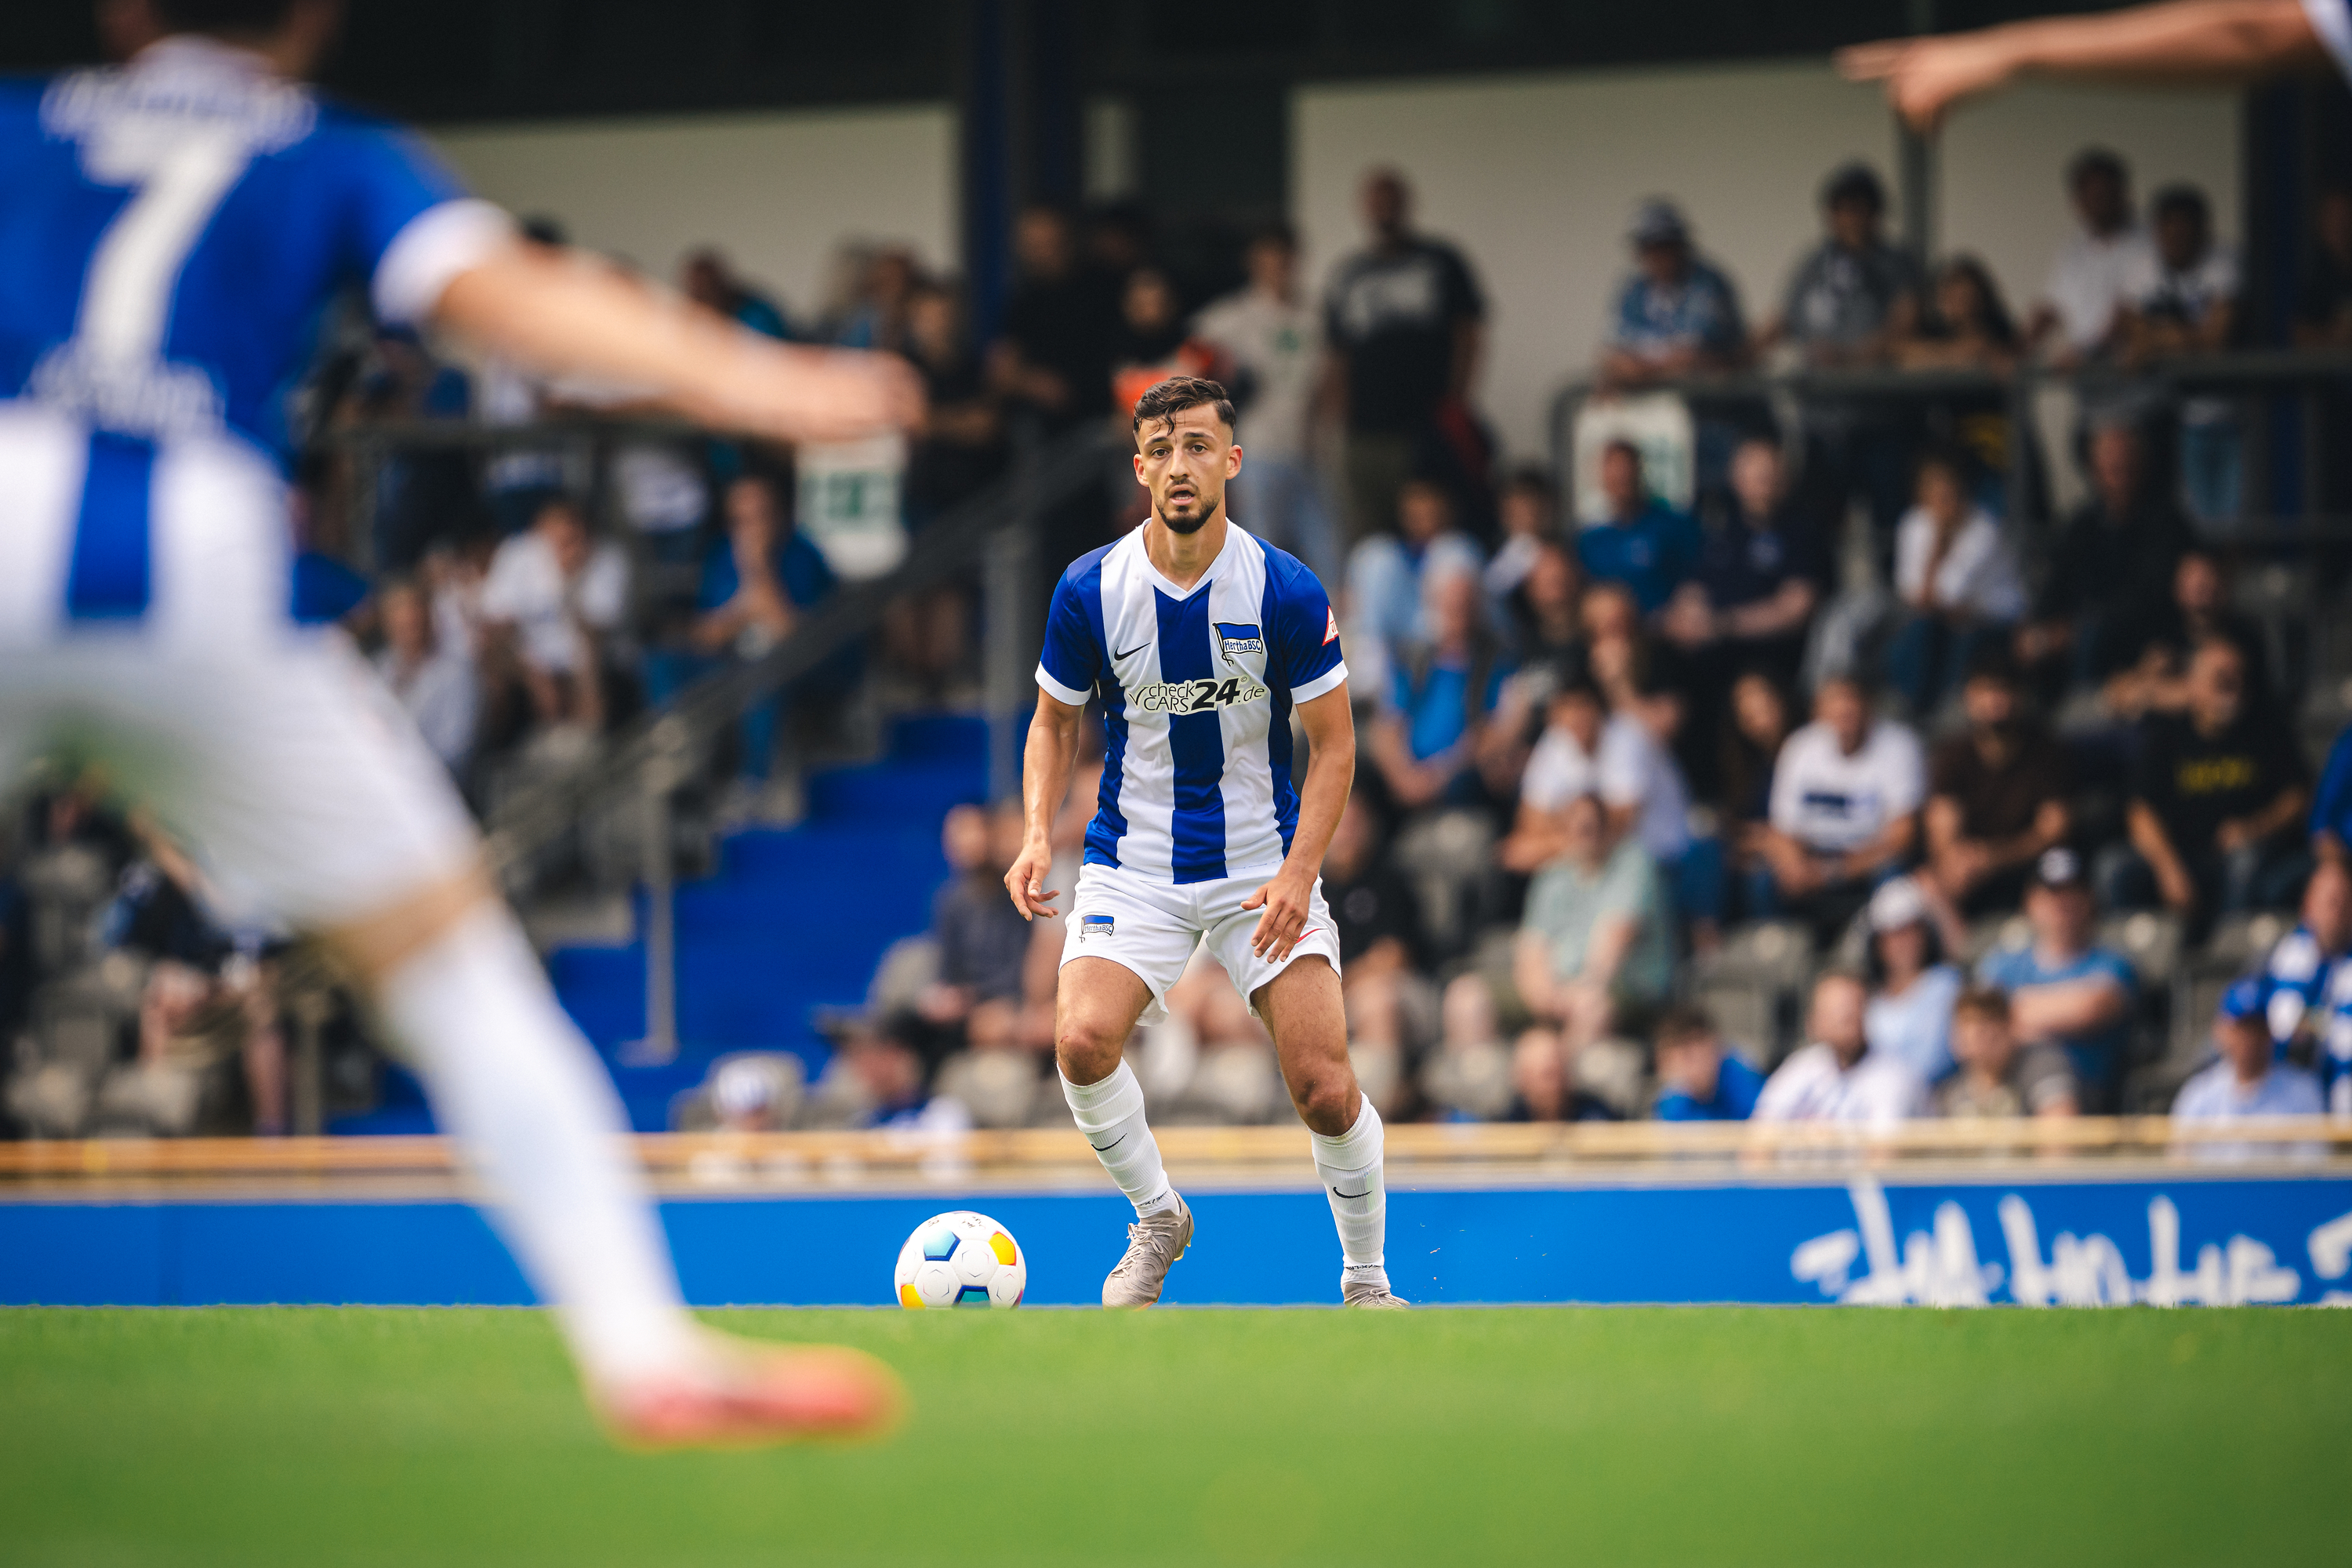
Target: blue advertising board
2193	1239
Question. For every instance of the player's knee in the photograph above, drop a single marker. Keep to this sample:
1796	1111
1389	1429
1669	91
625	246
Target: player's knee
1328	1099
1086	1052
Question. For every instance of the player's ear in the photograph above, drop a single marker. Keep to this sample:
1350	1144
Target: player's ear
1139	470
1232	460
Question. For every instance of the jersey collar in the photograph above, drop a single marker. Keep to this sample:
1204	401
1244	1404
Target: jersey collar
1233	536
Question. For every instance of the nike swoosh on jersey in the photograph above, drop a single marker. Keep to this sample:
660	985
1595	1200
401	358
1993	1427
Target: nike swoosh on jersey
1130	653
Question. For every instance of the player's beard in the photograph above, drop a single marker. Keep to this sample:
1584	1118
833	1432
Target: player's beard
1192	523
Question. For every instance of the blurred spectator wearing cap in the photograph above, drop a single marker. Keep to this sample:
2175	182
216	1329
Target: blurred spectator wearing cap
1403	324
1272	339
1913	987
2064	989
753	1091
1997	1080
2111	570
1639	542
1698	1081
1389	576
1844	813
1677	315
2218	798
1594	938
2305	973
2181	300
2249	1082
1958	579
1836	1076
1996	794
2076	313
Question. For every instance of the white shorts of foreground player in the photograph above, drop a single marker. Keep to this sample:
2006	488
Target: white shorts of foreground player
1153	928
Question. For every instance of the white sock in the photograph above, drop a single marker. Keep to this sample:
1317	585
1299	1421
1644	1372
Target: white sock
1350	1165
536	1116
1110	1113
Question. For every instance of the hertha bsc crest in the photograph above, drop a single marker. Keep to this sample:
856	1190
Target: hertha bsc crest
1236	637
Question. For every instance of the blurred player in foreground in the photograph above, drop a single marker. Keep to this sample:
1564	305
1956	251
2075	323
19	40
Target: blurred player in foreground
2189	41
170	234
1200	641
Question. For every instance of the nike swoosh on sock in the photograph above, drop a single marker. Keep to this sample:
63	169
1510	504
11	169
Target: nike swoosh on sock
1106	1148
1337	1193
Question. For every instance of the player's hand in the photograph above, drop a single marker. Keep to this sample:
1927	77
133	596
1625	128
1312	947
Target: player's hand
1025	881
1925	77
1285	901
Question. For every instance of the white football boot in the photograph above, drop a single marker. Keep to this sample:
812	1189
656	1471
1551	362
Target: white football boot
1152	1246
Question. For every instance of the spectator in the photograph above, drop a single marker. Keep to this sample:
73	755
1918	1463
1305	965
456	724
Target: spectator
753	1091
1616	759
2249	1082
1753	732
1546	609
1426	740
1958	579
1403	321
1544	1086
1154	343
1530	510
2063	989
983	940
1389	574
2112	570
1060	326
1838	1077
434	683
1852	301
2324	311
1761	576
1997	795
1910	1015
2305	973
2183	300
1643	542
2153	677
1594	938
881	315
1997	1081
1698	1081
1677	315
2331	812
552	603
1967	324
1846	791
2089	276
756	582
2217	796
1378	920
711	283
1273	341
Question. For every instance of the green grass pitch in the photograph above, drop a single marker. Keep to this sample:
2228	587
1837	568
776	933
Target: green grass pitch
1697	1435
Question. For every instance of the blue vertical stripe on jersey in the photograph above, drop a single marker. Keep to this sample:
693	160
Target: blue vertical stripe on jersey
1277	731
1109	823
1196	743
111	576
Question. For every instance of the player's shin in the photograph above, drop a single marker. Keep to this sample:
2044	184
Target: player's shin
1350	1165
1110	1113
512	1080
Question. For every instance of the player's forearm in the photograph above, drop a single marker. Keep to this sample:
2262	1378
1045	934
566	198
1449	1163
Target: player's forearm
2191	40
1046	762
565	315
1331	773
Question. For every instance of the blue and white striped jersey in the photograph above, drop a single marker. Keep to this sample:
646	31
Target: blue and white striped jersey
1197	686
171	234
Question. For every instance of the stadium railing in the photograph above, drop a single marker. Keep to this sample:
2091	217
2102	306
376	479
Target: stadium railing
1437	1155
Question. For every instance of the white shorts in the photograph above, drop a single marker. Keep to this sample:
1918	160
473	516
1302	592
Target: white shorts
270	752
1151	927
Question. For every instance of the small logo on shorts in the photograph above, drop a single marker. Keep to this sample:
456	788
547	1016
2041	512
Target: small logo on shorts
1091	926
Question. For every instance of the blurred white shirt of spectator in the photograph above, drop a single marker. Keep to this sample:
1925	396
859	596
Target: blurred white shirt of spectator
1832	800
2247	1082
1627	768
1976	572
1386	576
1837	1077
2086	281
432	680
539	581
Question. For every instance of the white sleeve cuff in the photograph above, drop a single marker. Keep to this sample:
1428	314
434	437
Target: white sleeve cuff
1055	689
1329	680
2331	21
424	258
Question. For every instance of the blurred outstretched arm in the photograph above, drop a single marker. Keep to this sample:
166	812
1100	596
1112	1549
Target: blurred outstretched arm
564	314
2182	41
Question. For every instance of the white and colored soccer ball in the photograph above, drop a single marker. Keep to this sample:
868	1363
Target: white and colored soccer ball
962	1259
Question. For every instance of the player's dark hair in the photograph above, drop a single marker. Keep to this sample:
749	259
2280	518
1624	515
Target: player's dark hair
222	15
1176	394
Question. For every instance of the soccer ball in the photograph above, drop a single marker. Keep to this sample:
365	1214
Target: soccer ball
962	1259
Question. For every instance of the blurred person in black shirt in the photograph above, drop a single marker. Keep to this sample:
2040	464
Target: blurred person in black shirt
961	445
2151	654
1060	326
2218	798
2112	568
1997	795
2323	320
1404	322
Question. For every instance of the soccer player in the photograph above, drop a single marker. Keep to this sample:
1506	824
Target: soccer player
170	234
2189	41
1200	639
